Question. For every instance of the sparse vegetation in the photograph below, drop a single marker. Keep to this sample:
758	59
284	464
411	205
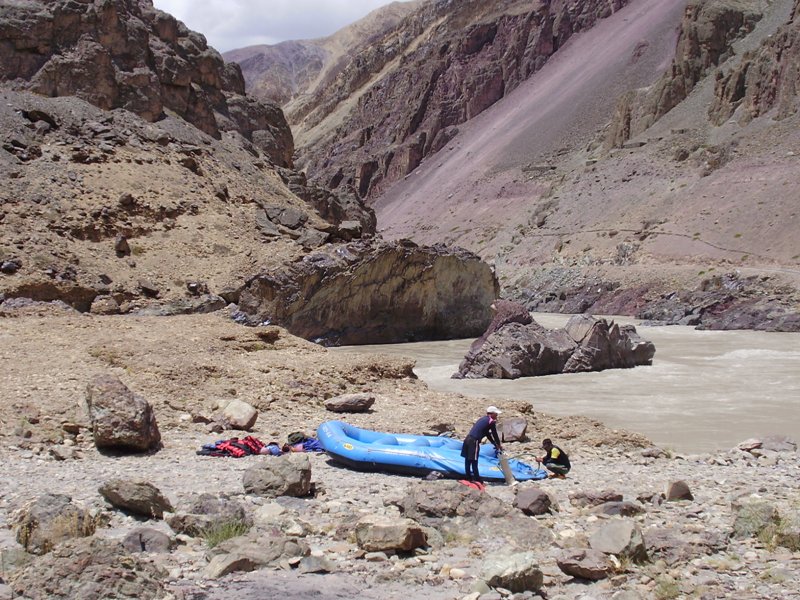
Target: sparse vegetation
666	588
219	532
108	355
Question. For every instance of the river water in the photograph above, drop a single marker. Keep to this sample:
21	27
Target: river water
706	390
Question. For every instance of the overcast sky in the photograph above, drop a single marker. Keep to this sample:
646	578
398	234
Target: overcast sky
231	24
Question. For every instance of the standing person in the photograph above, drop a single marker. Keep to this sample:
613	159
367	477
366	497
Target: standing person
485	427
555	459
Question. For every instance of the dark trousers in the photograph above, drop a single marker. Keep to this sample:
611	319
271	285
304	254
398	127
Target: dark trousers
470	453
557	469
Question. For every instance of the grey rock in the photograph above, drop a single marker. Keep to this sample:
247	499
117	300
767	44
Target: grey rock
50	520
138	497
512	430
679	490
586	564
206	511
287	475
621	537
145	539
351	403
516	572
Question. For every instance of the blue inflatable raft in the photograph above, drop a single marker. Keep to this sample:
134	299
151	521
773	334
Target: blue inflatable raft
365	450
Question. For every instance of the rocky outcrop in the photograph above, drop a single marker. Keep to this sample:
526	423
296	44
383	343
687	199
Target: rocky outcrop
129	55
707	33
50	520
765	79
88	191
375	292
90	569
721	302
585	344
441	66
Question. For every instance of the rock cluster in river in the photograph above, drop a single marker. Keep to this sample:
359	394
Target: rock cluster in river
584	344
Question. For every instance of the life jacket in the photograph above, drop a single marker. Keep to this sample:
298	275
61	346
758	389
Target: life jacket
562	459
234	447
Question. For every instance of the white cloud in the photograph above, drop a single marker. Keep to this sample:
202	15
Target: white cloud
230	24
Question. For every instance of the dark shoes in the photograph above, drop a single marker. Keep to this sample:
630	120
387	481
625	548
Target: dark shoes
557	476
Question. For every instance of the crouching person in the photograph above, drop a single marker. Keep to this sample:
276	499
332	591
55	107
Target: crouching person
555	460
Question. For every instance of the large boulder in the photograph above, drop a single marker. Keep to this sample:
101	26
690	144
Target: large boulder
252	551
621	537
584	344
376	292
429	502
586	564
379	533
533	501
121	420
518	350
50	520
603	345
516	572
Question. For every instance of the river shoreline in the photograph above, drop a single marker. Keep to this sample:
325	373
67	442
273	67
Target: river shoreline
706	391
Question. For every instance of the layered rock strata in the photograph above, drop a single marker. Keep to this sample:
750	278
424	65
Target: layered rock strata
767	78
707	34
127	54
403	96
375	292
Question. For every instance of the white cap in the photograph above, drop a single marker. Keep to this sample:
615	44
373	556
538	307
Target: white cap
493	409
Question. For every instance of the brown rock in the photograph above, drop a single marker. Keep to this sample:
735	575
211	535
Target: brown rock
533	501
351	403
90	569
679	490
121	420
139	497
586	564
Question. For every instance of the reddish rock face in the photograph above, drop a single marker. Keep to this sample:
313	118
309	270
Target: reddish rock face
442	65
707	33
127	54
766	78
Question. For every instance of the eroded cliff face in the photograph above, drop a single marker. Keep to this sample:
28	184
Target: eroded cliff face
368	292
708	30
140	179
127	54
402	98
767	78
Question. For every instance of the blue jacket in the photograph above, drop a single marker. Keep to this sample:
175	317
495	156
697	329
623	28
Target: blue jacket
485	428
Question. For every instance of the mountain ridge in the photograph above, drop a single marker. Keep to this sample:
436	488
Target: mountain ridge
608	171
